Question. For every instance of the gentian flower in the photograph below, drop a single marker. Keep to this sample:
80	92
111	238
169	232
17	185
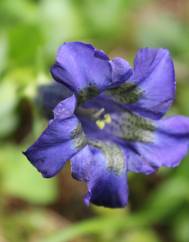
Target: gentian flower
110	122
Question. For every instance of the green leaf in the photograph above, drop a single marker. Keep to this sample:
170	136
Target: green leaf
25	40
22	180
21	10
182	98
98	226
140	235
181	227
3	51
61	22
8	101
167	198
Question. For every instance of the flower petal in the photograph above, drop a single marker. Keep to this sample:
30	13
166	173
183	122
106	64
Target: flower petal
86	70
81	164
62	139
66	108
80	65
169	146
107	185
148	144
151	89
49	96
121	70
155	77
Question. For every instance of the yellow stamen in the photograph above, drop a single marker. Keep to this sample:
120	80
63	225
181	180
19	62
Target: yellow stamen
107	119
100	124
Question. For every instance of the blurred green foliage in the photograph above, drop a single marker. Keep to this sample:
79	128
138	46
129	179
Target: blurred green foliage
36	209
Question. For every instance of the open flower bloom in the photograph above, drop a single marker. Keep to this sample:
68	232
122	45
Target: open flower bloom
110	123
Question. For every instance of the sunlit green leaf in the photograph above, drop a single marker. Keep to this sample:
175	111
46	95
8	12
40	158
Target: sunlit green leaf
60	22
24	41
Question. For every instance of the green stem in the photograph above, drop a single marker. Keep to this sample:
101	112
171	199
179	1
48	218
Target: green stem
99	225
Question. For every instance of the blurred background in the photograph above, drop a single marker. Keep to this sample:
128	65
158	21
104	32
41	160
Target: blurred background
34	209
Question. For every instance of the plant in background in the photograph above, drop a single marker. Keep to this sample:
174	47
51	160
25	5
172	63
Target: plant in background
111	122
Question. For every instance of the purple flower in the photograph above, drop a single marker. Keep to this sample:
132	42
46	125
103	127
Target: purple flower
110	124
